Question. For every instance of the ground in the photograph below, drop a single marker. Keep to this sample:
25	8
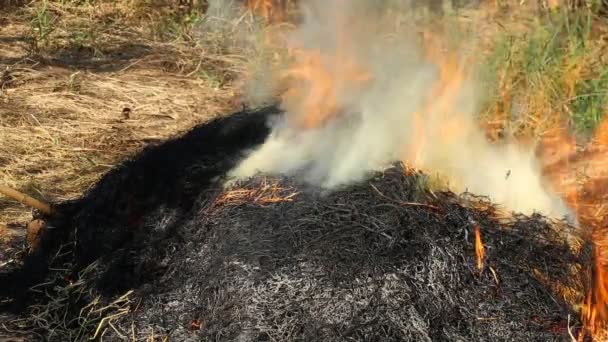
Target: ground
74	109
87	84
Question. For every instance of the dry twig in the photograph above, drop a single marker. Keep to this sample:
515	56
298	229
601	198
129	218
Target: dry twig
26	200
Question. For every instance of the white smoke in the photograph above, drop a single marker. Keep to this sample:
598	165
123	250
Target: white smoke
376	123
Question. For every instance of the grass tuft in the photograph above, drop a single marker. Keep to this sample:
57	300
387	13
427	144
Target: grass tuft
549	74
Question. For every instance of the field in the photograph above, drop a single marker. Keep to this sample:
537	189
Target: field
86	84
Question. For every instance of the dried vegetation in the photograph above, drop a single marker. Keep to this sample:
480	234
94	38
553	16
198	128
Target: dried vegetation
86	84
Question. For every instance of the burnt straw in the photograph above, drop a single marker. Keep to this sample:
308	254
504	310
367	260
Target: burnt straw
159	247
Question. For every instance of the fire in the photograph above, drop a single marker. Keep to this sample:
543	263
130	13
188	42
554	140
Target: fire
592	208
269	10
316	80
266	193
314	85
594	312
480	251
580	175
438	110
439	134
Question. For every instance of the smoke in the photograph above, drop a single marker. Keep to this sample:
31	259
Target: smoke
375	97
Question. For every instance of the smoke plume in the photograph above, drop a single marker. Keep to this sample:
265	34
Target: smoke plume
360	97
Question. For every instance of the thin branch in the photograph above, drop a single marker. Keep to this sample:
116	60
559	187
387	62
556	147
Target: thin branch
26	200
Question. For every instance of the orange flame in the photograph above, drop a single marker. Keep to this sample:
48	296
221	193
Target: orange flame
480	250
440	101
269	10
580	175
316	80
592	209
594	312
315	83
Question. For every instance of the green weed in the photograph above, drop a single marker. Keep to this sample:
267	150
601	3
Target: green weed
590	104
42	26
551	70
178	27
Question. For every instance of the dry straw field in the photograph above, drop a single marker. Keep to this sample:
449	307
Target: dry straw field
87	83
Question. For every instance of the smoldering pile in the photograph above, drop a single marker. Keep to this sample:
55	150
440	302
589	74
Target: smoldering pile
273	259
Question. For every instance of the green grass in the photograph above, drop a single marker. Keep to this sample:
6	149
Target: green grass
554	69
589	105
42	25
178	27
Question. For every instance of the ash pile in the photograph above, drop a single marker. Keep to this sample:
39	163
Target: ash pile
160	250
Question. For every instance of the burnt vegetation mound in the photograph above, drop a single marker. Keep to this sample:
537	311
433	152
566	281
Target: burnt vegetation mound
160	248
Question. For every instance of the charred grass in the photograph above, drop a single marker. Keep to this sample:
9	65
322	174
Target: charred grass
274	259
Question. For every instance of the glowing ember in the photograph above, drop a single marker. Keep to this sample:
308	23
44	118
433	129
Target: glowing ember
265	194
480	251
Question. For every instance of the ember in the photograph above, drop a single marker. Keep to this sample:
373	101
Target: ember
479	248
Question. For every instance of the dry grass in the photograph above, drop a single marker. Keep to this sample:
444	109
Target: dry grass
267	193
69	69
105	81
547	70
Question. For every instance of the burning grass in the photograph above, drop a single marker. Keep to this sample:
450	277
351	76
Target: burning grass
267	193
87	85
556	69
